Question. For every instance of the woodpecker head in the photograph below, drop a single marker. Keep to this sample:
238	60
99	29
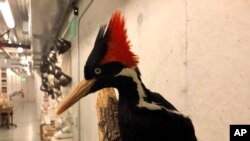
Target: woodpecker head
111	54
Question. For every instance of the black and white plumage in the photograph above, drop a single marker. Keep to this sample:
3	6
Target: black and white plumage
147	116
50	69
143	115
62	45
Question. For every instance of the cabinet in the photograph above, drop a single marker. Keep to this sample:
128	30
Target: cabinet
3	83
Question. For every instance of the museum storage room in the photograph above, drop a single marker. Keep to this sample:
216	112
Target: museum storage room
124	70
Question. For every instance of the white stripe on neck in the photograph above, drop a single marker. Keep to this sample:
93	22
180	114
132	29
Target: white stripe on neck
130	72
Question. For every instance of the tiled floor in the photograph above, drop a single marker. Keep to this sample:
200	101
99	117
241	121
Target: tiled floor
27	124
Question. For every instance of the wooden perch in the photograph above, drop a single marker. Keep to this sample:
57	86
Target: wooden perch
107	115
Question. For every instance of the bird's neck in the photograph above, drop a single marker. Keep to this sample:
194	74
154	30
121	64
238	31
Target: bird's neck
132	91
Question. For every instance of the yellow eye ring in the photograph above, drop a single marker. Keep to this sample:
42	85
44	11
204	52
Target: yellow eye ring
98	71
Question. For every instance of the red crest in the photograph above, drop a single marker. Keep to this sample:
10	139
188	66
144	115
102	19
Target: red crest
118	45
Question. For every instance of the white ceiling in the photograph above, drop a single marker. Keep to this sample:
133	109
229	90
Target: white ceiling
45	17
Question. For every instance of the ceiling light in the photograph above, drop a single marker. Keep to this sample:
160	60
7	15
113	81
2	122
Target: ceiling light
7	14
20	50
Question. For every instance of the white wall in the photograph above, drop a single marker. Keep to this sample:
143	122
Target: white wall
14	83
192	52
218	72
28	88
38	93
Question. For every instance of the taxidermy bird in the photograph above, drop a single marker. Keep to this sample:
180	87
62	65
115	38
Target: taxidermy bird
143	115
62	45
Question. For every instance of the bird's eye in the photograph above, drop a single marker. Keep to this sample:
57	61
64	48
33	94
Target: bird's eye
98	71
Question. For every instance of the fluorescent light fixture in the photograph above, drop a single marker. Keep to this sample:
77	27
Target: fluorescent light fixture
20	50
7	14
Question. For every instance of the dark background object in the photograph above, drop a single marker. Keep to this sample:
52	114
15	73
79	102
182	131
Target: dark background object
62	45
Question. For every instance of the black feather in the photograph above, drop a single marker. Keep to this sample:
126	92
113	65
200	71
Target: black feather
143	124
97	53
